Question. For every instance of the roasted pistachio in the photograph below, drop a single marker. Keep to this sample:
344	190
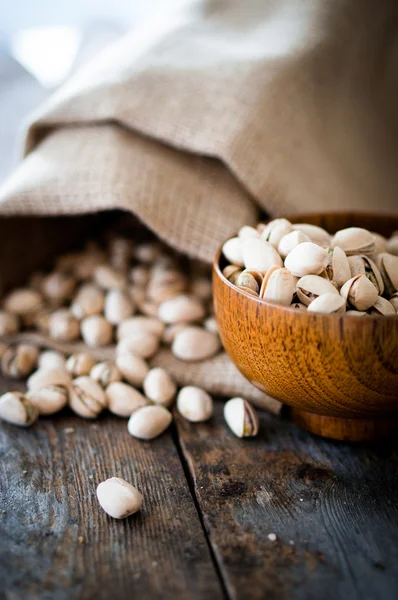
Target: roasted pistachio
359	292
86	397
49	400
58	287
109	278
383	307
118	498
9	323
280	287
140	324
50	359
181	309
48	377
19	361
88	301
355	240
23	301
63	326
195	343
310	287
250	279
338	267
194	404
123	399
274	231
96	331
149	422
159	387
232	272
247	231
16	409
79	364
133	368
141	344
388	266
306	259
259	255
105	373
118	306
328	304
241	417
232	250
289	241
317	235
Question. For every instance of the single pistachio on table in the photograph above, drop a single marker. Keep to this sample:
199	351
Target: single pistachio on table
195	343
23	302
123	399
118	306
259	255
279	287
105	373
50	399
328	304
140	324
359	292
133	368
248	231
149	422
51	359
48	377
383	307
232	272
86	397
89	300
241	417
317	234
307	259
388	266
16	409
310	287
19	361
194	404
181	309
9	323
275	230
96	331
159	387
80	363
354	240
141	344
338	267
233	251
63	326
107	278
58	287
118	498
289	241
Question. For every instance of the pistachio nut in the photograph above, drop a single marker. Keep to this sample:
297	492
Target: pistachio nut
9	323
274	231
392	244
141	344
317	234
247	231
105	373
123	399
139	275
51	359
211	324
181	309
118	306
359	292
290	241
195	343
16	409
96	331
280	287
381	242
388	266
23	301
307	259
232	272
250	279
89	300
232	250
394	301
118	498
310	287
47	377
241	417
63	326
19	361
354	240
133	368
338	267
58	287
80	363
201	288
194	404
159	387
383	307
357	265
149	422
107	278
49	400
328	304
140	324
86	397
171	331
259	255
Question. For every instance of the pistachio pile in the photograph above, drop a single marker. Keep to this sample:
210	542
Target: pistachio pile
354	272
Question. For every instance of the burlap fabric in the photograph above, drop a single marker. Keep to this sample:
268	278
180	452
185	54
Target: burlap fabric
287	105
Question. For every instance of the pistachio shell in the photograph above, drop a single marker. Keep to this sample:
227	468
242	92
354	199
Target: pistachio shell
181	309
280	287
232	272
133	368
310	287
118	306
49	400
105	373
80	363
275	230
86	397
380	241
246	231
338	267
306	259
394	301
195	343
357	265
139	343
241	417
290	241
259	255
149	422
232	250
16	409
359	292
250	279
23	301
388	266
317	235
383	307
140	324
328	304
194	404
96	331
48	377
123	399
248	290
118	498
354	240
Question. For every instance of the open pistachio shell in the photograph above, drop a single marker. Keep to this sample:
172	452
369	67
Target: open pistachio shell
388	266
355	240
232	272
328	304
338	268
383	307
250	279
310	287
280	287
306	259
359	292
357	265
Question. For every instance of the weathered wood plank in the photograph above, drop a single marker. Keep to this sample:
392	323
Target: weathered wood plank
332	506
48	478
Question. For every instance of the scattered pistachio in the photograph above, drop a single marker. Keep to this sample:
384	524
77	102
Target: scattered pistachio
118	498
194	404
49	400
23	301
19	361
89	300
105	373
80	364
96	331
86	397
140	324
16	409
48	377
123	399
149	422
63	326
133	368
241	417
159	387
195	343
140	343
118	306
51	359
181	309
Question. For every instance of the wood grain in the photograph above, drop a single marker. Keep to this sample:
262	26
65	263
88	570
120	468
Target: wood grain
331	505
48	478
324	364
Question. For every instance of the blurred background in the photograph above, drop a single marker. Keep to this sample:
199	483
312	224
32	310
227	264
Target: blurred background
43	42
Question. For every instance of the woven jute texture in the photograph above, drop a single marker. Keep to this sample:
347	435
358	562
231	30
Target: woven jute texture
196	124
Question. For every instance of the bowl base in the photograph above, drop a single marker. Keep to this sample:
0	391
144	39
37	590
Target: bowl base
352	430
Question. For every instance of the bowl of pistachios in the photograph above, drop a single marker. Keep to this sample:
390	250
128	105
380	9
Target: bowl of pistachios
307	309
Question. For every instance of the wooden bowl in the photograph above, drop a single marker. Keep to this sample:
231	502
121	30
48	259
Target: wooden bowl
339	374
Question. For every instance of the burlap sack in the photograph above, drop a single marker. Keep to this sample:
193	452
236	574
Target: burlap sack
287	105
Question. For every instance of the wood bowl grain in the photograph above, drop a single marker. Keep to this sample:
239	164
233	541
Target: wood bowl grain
339	374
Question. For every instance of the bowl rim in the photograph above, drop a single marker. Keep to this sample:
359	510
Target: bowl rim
261	302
